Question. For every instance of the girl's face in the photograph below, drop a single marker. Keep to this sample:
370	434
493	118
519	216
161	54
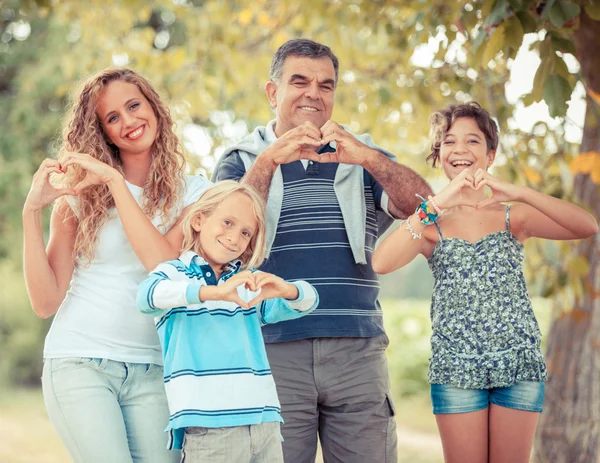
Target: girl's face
464	147
226	233
127	118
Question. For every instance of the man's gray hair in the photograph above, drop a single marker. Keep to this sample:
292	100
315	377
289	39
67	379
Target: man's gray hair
300	47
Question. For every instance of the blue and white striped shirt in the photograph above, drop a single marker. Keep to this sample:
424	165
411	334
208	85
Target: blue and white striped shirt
215	364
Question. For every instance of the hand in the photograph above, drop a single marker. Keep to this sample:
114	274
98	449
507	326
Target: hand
348	149
271	287
228	290
501	191
298	143
454	193
42	192
97	172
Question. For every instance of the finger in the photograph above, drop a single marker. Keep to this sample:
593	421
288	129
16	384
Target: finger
468	183
307	140
256	301
240	302
260	278
310	155
308	129
85	183
65	191
331	127
481	183
324	158
486	202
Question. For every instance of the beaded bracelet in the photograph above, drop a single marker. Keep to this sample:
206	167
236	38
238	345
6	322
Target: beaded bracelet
426	215
435	206
415	236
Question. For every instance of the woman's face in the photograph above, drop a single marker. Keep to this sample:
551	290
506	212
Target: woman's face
127	118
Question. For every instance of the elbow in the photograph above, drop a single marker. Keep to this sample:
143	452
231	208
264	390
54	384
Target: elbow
379	266
592	229
44	310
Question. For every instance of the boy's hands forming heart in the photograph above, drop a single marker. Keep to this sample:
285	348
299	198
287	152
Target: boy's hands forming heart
269	286
248	289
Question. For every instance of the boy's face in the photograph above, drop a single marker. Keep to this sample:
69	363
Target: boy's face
226	233
465	147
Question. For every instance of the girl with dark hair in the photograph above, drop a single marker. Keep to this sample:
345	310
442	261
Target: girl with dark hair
487	369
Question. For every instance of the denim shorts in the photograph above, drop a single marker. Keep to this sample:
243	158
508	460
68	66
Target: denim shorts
523	395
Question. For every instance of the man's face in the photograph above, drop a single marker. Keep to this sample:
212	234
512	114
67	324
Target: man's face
305	93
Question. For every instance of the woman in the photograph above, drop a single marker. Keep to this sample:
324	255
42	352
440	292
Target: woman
102	378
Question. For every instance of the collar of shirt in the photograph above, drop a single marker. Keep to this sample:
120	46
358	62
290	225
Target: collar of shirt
190	256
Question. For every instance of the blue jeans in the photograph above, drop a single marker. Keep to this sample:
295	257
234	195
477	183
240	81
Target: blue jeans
523	395
106	411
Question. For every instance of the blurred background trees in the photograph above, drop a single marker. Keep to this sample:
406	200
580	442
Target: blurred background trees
399	61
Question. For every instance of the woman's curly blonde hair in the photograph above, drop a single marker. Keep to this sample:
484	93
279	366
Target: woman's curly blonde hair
83	133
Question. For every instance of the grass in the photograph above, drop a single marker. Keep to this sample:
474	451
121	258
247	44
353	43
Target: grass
28	436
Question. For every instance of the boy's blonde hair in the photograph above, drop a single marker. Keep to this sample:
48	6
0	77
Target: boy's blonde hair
254	255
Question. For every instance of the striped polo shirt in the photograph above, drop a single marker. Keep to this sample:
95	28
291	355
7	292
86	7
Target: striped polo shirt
311	244
215	364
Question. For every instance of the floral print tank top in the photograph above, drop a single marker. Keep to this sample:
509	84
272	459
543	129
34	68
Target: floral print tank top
485	333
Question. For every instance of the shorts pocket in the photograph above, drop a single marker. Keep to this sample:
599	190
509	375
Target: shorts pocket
196	430
66	364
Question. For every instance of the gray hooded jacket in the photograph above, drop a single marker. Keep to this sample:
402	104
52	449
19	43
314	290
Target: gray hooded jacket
348	187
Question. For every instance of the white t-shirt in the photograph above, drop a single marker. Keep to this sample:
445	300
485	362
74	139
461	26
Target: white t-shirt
99	317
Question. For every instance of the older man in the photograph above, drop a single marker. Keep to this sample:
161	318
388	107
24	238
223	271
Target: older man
330	195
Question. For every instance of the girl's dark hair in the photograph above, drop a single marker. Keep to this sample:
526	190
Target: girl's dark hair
441	121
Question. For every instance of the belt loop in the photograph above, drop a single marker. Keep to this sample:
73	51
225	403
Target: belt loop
102	365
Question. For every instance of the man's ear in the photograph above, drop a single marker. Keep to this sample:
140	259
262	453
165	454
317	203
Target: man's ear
491	156
271	91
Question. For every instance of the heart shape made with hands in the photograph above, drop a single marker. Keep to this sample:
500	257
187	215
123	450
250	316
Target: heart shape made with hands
246	294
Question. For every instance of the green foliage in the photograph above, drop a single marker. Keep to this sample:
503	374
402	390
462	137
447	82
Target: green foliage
210	59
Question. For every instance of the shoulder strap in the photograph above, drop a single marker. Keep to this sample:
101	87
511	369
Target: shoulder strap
439	230
508	217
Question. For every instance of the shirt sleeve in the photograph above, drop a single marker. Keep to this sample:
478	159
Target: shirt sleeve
230	168
194	187
277	310
380	197
165	289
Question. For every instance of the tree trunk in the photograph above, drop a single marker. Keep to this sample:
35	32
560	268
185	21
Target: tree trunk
569	428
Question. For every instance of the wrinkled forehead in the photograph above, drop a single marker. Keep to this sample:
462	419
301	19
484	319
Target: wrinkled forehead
310	68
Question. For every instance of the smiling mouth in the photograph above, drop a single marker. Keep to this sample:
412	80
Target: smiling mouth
309	108
461	164
226	247
137	133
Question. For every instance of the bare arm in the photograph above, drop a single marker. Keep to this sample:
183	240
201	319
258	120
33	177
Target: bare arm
399	248
544	216
298	143
260	175
48	270
401	183
147	242
541	215
150	246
